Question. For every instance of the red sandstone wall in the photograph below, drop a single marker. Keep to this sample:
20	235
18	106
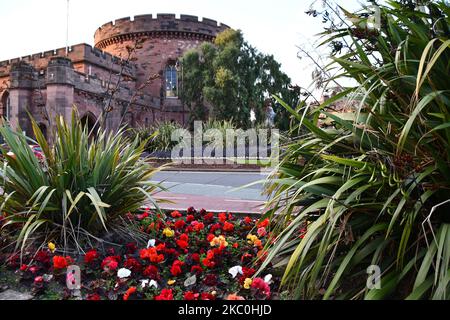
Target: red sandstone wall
153	58
166	39
84	58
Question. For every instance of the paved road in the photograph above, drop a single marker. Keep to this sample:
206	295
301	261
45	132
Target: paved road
214	191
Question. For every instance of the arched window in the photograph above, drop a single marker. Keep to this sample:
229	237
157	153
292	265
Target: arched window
171	80
89	121
6	106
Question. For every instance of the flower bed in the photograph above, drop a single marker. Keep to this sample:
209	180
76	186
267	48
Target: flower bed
189	256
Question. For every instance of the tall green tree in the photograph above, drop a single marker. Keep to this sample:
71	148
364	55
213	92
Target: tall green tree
229	78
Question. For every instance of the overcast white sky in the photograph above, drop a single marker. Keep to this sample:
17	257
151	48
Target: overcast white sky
274	27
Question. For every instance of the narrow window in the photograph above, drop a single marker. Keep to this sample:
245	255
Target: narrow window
6	106
171	81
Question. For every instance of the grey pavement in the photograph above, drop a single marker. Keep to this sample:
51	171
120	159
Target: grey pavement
213	184
14	295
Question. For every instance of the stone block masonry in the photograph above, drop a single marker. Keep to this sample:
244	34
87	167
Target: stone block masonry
50	83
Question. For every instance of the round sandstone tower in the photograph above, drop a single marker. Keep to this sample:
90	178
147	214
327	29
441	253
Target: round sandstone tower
166	39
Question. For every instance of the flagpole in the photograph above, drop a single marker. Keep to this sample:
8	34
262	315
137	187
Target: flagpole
67	30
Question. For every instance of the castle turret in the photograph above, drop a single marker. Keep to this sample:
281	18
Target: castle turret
166	38
60	88
22	77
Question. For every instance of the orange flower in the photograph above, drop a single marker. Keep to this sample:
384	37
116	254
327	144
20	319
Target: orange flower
262	254
151	254
234	297
157	258
129	292
219	242
147	253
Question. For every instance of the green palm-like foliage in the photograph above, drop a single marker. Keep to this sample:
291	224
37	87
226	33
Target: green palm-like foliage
158	136
374	191
84	185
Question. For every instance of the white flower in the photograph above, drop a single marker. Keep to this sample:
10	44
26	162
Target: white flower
235	270
149	283
123	273
144	283
190	281
151	243
268	279
47	277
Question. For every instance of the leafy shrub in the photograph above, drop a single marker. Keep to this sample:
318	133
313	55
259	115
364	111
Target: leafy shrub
219	126
84	185
374	191
158	136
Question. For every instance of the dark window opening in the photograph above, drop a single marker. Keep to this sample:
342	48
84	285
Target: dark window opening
89	121
171	78
6	106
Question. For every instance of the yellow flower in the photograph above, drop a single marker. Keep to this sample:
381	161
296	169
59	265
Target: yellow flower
252	238
247	283
169	233
219	242
51	247
171	282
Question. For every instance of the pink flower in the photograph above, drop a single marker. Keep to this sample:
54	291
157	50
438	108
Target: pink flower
142	216
198	226
262	232
39	280
33	269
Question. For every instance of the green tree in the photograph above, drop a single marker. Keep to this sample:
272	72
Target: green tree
230	78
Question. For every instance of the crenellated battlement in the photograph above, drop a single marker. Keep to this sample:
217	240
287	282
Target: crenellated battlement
160	25
76	53
84	75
